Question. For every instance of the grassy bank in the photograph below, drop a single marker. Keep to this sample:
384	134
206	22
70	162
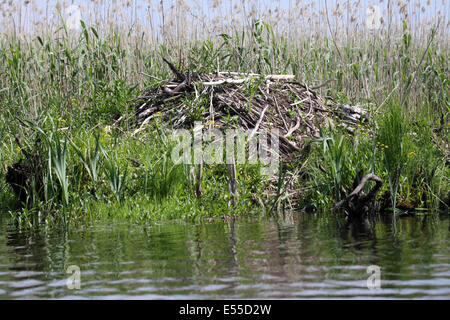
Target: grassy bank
62	95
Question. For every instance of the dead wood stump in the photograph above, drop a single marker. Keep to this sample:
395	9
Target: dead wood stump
359	204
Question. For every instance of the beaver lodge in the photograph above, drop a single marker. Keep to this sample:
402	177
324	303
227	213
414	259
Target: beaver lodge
255	103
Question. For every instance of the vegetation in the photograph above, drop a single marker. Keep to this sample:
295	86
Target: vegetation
62	91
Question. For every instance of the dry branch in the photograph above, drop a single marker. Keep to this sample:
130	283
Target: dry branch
358	203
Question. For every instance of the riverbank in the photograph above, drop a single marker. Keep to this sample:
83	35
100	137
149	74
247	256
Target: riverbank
62	97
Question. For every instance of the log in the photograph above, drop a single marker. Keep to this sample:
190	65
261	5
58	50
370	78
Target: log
358	203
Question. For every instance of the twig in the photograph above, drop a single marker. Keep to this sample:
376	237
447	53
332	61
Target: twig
258	123
153	77
297	125
279	113
323	84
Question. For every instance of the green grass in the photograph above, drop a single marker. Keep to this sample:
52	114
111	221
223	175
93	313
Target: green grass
69	91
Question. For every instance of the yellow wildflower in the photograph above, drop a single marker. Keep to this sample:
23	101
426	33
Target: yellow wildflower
107	129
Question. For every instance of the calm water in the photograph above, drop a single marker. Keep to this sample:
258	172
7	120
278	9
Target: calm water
300	256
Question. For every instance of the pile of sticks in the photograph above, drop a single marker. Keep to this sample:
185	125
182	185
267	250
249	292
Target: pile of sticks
253	102
250	101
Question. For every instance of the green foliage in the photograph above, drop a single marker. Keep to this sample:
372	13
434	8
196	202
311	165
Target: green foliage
116	178
58	163
335	154
393	135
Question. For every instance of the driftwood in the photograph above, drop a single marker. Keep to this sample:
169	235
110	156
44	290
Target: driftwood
358	203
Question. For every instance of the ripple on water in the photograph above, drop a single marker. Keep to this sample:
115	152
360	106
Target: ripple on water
254	259
28	283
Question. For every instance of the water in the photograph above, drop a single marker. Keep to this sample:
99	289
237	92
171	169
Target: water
300	256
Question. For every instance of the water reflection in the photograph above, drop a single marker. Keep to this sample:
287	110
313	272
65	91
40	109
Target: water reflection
295	256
